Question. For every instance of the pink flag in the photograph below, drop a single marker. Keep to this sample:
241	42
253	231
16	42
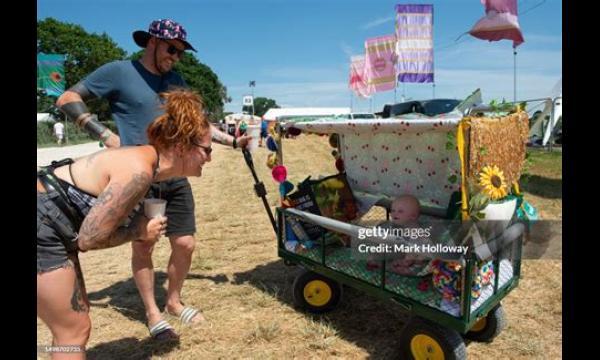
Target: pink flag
380	62
357	80
500	22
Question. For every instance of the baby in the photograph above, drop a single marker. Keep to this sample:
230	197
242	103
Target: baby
404	214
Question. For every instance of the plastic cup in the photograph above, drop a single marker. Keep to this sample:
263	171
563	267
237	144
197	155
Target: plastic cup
254	132
155	208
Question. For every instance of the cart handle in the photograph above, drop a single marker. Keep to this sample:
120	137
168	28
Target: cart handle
259	187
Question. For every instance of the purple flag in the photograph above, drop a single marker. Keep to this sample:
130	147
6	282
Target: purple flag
380	62
414	31
500	22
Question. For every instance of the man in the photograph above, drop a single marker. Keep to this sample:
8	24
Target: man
132	88
59	132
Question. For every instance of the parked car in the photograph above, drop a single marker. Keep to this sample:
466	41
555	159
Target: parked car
426	107
357	116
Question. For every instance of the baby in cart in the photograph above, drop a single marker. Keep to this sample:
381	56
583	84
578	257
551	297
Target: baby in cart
404	215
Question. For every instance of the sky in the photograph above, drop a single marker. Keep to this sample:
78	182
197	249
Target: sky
298	52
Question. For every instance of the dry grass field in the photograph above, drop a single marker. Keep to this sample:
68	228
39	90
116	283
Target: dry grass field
245	290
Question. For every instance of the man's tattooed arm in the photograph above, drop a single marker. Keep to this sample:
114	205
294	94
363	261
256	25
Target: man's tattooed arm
220	137
83	92
100	228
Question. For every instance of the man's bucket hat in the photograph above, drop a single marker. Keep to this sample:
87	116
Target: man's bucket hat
163	29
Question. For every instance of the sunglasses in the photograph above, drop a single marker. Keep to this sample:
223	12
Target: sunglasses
172	50
207	149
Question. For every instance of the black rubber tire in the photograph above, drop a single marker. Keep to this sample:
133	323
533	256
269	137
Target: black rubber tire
450	341
289	263
303	279
495	323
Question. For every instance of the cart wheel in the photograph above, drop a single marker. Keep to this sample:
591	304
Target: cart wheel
488	327
425	340
289	263
316	293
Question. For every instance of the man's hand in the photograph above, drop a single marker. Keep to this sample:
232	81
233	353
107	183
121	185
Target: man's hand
113	141
242	141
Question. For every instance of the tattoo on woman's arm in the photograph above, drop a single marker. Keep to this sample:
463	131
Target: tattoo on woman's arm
100	227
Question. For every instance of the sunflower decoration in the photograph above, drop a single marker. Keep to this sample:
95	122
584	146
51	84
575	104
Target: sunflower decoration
491	180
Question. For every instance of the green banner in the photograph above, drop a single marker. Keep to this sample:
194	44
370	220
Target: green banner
51	73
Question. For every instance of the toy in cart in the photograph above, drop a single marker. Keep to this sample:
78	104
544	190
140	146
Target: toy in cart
453	177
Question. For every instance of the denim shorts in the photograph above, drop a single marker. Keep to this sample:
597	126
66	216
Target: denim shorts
56	235
181	219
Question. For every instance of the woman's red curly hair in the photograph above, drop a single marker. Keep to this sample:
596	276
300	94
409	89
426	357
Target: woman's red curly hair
182	123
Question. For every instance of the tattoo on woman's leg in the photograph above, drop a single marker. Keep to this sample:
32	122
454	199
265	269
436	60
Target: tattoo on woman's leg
78	302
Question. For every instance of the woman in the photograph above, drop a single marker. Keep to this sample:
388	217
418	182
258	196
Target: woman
93	203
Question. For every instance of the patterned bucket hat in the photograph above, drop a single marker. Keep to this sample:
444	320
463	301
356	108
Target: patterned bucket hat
163	29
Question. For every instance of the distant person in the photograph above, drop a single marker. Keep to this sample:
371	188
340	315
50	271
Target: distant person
264	131
92	203
59	132
131	88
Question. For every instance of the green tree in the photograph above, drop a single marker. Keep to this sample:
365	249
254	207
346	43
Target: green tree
261	106
84	52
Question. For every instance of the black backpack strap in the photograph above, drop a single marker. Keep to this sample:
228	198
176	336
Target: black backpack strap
50	183
56	164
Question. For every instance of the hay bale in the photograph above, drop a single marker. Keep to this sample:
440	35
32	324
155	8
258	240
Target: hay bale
499	141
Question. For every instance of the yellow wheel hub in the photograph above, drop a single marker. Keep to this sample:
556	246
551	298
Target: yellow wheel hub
479	325
424	347
317	293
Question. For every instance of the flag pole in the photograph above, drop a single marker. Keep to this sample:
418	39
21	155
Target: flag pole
433	91
515	74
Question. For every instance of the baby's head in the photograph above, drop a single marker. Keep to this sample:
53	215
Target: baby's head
405	210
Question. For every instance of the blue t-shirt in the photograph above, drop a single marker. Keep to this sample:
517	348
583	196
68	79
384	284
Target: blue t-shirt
132	92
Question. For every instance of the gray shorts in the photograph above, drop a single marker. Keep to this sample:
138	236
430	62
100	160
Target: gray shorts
56	235
181	219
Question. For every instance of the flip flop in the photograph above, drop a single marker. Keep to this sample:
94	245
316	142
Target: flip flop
187	315
162	330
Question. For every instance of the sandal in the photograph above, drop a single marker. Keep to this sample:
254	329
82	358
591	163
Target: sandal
162	330
187	315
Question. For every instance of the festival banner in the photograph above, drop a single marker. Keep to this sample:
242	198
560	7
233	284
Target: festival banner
414	31
51	73
357	80
380	63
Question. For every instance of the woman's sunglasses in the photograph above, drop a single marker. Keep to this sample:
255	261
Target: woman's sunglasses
207	149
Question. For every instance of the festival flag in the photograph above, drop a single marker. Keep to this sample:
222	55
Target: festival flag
500	22
357	80
380	63
51	73
414	31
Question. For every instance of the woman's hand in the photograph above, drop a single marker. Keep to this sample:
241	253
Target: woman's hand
152	229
